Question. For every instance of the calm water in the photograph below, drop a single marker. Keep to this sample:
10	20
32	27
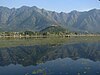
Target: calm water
81	58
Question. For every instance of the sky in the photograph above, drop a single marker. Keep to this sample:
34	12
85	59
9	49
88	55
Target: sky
54	5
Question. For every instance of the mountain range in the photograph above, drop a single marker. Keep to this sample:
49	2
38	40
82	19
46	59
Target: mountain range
36	19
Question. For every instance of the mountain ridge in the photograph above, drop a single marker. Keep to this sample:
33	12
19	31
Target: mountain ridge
36	19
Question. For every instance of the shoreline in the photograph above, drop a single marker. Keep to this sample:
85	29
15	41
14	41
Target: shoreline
40	36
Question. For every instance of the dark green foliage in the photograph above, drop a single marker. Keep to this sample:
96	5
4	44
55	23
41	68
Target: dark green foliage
28	33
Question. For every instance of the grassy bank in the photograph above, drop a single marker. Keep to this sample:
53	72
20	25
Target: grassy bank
12	42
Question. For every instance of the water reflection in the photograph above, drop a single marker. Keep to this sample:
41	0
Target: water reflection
67	66
63	59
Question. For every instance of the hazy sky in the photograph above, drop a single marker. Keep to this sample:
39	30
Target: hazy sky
54	5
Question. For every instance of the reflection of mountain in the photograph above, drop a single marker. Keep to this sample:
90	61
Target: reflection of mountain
31	55
75	51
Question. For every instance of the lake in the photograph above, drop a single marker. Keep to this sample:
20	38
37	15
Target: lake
50	56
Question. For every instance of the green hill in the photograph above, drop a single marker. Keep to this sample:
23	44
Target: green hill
54	29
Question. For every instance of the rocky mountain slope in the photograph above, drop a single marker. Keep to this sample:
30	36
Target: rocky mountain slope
35	19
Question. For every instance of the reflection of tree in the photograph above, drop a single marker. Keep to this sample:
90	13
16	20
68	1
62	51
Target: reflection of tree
32	55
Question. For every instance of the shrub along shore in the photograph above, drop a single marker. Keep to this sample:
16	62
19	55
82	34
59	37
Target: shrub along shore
44	34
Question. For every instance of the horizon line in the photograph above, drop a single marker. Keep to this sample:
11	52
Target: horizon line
51	10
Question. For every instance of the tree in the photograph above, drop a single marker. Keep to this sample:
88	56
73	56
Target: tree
28	33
